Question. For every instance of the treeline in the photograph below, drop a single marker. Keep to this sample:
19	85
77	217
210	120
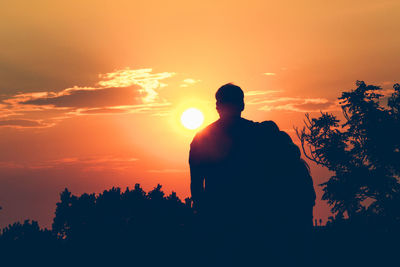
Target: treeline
138	228
114	225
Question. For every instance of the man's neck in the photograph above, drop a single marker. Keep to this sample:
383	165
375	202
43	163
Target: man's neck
230	119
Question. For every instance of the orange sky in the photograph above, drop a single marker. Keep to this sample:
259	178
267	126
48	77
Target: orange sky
91	91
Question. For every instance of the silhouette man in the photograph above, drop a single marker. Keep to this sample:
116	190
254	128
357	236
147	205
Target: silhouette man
244	179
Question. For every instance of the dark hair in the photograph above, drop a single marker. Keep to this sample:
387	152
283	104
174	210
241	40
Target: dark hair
230	93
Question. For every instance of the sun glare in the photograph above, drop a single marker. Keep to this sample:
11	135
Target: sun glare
192	118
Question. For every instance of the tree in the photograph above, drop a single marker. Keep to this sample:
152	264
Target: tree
363	152
29	231
114	215
61	225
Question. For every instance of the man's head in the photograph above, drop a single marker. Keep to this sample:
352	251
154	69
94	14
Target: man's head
230	102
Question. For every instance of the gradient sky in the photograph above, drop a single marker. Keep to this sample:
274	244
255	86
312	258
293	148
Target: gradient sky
91	91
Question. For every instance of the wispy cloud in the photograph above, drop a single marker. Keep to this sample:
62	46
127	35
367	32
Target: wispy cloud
153	108
90	98
189	81
297	104
23	123
269	73
271	100
121	91
148	81
86	164
258	93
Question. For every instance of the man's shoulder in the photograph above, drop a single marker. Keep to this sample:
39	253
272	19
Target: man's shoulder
268	126
213	129
266	129
209	129
206	132
270	130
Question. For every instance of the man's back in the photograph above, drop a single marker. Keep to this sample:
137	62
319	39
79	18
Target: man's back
220	155
234	170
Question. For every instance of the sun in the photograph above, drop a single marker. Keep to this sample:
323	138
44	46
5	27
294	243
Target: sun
192	118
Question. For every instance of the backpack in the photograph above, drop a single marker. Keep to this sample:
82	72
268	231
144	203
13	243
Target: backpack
286	175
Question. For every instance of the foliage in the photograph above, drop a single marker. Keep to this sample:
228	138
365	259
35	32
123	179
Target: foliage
363	152
29	231
106	226
114	214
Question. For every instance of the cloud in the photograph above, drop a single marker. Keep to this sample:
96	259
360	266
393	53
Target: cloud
270	100
148	81
90	97
269	73
257	93
5	111
98	111
86	164
122	87
307	107
297	104
121	91
154	108
23	123
189	81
